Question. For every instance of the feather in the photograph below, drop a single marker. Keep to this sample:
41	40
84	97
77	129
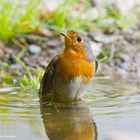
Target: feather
46	82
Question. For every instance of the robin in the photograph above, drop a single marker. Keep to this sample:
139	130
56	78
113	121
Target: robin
69	73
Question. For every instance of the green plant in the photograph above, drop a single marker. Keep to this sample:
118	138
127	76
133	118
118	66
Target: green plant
29	80
61	18
17	17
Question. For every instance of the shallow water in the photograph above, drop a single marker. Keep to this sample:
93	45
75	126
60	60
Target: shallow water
109	106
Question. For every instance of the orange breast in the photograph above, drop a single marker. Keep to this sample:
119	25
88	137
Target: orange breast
74	64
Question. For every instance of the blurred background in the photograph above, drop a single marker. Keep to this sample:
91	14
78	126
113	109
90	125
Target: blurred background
30	30
30	38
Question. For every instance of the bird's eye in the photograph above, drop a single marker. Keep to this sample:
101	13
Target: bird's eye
79	39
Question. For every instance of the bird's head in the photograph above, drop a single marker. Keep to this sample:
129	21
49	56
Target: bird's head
78	42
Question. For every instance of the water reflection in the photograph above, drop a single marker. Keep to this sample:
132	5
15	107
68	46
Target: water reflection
68	122
115	105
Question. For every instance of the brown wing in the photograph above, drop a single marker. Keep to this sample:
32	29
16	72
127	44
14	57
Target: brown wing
46	82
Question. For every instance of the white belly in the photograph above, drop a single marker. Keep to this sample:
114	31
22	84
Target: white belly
72	90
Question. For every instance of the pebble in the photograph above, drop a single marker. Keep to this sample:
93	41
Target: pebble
54	43
100	37
33	49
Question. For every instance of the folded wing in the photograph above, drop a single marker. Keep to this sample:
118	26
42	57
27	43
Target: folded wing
46	83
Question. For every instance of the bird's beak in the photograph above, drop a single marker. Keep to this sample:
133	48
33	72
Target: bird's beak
63	34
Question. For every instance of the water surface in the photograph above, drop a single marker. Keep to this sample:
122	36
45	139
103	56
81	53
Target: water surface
109	106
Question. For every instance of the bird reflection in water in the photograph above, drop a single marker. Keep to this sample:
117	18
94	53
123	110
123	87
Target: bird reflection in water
68	122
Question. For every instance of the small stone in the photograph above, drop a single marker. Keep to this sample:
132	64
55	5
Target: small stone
53	43
16	67
43	32
33	49
43	62
100	37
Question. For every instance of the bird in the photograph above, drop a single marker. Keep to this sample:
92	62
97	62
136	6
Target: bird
69	73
